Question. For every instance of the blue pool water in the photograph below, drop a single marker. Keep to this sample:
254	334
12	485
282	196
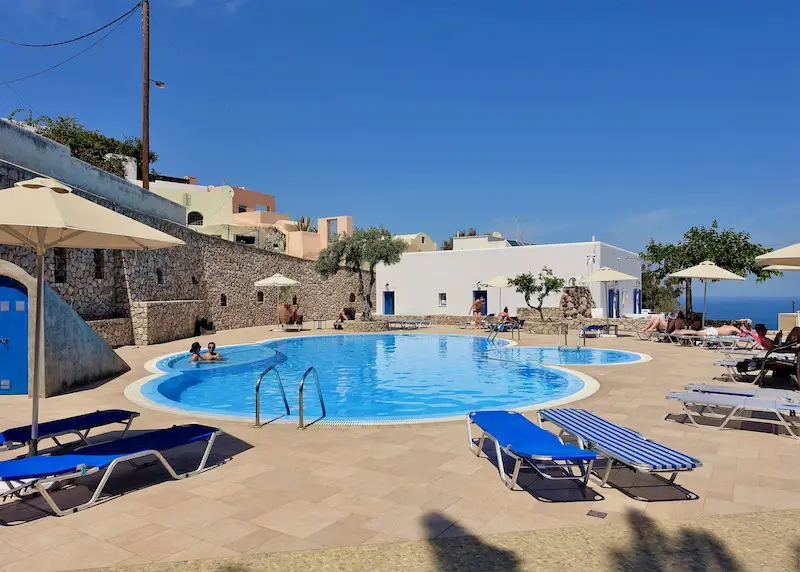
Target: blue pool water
387	377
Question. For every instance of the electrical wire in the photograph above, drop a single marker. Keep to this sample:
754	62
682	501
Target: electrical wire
69	59
111	23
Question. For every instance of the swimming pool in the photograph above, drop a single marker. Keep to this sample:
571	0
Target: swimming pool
373	378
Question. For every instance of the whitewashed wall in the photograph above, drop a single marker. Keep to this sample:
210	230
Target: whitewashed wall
419	277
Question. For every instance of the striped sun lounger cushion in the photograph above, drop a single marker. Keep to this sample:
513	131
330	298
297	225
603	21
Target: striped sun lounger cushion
619	443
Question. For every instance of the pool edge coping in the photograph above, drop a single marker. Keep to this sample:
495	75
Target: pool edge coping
133	391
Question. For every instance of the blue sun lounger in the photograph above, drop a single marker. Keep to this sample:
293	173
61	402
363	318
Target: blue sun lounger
38	474
79	426
619	444
727	408
523	440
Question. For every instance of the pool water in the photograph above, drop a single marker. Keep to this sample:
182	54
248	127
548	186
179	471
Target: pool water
368	378
566	356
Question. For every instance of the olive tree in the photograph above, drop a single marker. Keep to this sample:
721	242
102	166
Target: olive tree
360	253
540	287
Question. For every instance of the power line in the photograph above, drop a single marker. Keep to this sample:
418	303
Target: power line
111	23
72	57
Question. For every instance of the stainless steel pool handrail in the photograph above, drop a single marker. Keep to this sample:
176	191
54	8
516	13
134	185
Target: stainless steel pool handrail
301	424
562	327
582	334
258	393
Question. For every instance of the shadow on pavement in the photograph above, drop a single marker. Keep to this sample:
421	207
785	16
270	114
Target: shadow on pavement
655	550
463	551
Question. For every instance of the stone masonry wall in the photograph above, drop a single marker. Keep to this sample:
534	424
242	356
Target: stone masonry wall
576	301
163	321
204	269
116	332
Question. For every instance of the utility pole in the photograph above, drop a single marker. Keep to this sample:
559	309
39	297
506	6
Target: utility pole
146	95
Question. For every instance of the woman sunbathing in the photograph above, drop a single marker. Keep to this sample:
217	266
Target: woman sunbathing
710	331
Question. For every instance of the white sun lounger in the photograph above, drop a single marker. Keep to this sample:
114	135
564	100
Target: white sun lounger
745	390
729	408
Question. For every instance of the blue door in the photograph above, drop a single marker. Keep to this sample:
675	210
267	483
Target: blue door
388	303
481	294
616	303
13	337
611	304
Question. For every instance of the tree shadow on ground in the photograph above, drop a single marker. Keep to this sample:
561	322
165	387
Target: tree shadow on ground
461	550
656	550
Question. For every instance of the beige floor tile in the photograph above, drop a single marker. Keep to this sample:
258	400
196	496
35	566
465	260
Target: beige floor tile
300	518
410	523
225	531
251	542
162	544
285	543
200	551
341	534
136	534
51	537
192	514
358	504
107	527
9	554
86	552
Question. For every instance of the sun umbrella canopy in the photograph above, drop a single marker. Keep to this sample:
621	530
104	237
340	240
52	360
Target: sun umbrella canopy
606	274
782	268
706	271
789	255
43	213
497	282
276	280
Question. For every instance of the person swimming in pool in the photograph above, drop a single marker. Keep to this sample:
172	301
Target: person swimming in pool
211	354
195	353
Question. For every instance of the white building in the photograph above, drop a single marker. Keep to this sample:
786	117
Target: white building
446	282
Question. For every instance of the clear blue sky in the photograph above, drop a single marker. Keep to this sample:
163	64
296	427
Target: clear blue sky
623	120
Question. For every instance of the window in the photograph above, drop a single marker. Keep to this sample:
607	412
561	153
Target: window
423	239
194	218
194	280
242	208
269	208
223	300
260	296
333	227
442	299
294	300
352	297
60	265
245	239
159	276
99	264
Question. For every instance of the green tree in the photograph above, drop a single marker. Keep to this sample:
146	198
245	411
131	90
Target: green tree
657	296
448	243
360	253
537	286
86	144
728	248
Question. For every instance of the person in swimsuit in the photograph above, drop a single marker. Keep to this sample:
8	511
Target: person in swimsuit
195	353
710	331
211	354
477	310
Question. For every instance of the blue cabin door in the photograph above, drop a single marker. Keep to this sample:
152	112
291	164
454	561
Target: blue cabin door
616	303
481	294
611	304
13	337
388	303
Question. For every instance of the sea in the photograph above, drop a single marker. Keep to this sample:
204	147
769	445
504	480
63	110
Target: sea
759	309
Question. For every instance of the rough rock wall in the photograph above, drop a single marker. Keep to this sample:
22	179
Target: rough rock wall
163	321
116	332
204	269
576	302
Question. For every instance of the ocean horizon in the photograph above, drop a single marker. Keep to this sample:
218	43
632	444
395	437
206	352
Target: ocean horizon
760	309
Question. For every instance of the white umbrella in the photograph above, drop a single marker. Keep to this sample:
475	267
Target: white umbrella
706	271
606	275
782	268
789	255
497	282
277	280
43	213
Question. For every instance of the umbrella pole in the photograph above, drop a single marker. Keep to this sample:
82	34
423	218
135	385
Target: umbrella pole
705	293
38	346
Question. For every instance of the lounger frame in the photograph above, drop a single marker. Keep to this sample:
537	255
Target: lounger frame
729	413
82	435
42	485
611	458
575	471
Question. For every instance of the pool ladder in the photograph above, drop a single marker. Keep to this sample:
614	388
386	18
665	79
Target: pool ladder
301	423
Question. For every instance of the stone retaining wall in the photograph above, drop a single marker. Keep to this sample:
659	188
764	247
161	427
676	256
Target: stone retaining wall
116	332
163	321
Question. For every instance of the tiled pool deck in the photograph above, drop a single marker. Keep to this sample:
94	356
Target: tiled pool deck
290	490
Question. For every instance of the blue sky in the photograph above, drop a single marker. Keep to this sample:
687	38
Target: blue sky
623	120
